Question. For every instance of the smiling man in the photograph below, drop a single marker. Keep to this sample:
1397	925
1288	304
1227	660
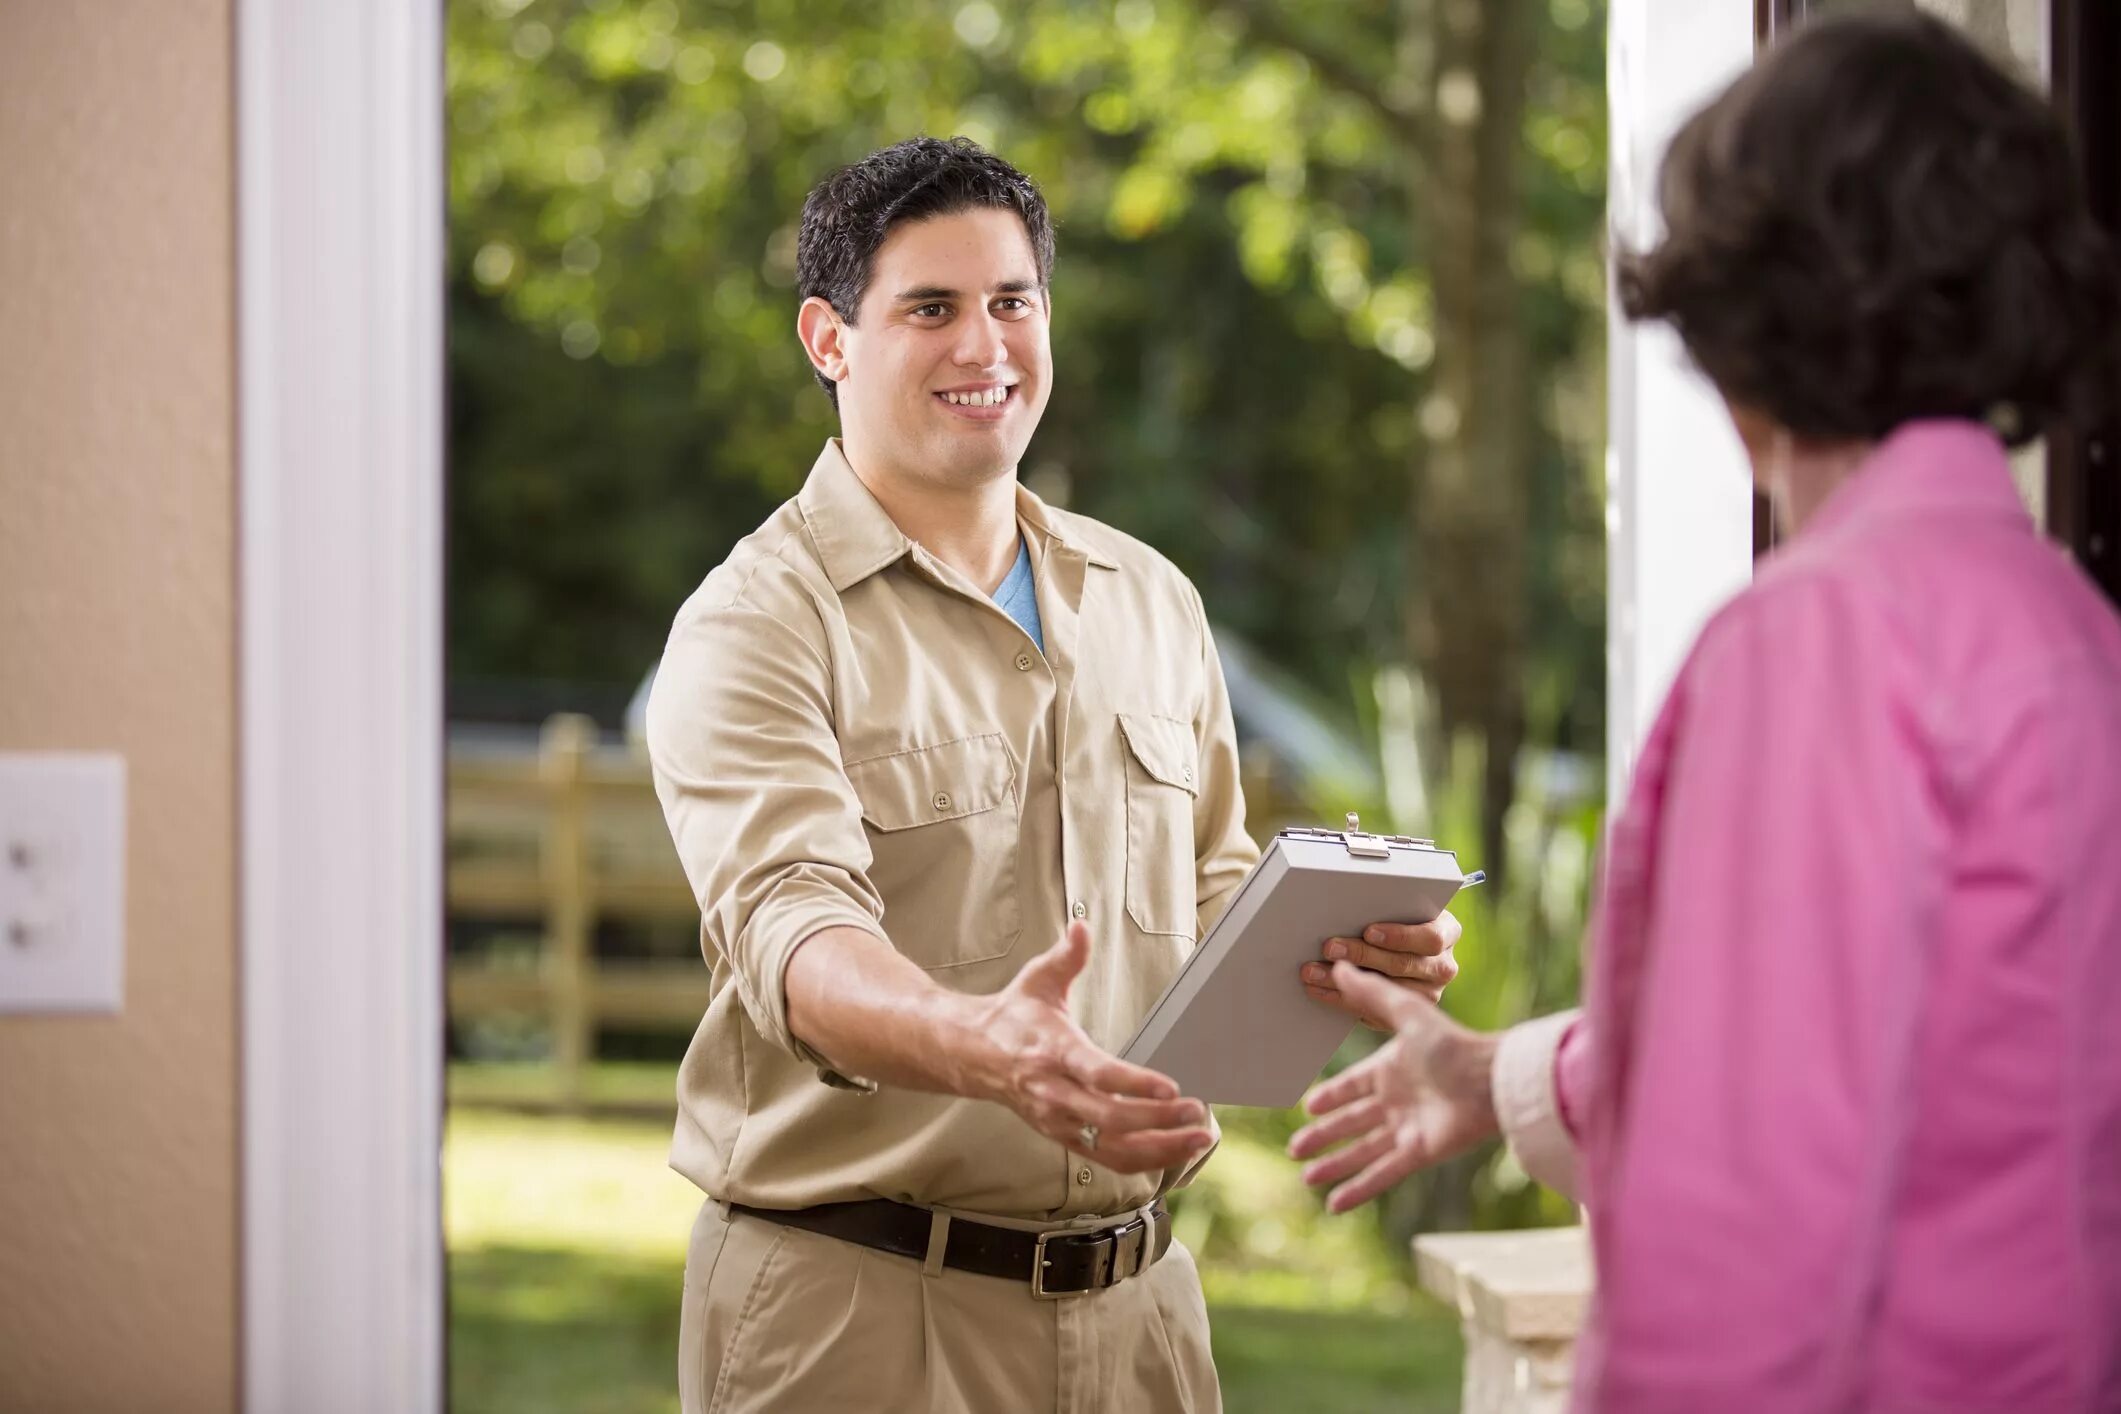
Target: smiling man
919	741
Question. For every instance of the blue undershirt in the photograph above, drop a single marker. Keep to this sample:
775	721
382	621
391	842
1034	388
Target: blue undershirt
1018	596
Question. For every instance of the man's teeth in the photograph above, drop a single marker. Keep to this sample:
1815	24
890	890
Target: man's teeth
985	399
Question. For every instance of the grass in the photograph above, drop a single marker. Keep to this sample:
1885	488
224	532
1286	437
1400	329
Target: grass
644	1086
567	1252
1273	1358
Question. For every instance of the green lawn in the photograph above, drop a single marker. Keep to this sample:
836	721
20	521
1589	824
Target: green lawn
567	1250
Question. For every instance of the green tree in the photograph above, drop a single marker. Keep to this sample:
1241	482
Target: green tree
1327	329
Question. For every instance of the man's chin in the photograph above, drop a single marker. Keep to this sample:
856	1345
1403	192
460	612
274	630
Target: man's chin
966	472
962	463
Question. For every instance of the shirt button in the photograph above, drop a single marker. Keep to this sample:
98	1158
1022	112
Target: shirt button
1082	1178
942	802
1080	909
1023	662
1189	775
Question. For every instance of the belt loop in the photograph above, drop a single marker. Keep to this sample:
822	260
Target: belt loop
938	1242
721	1206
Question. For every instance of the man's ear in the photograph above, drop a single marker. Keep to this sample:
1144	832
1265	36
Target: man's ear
824	338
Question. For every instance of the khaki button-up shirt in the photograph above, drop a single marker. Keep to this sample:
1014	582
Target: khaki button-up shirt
847	732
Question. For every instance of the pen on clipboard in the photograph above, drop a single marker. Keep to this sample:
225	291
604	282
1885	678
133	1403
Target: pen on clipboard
1478	876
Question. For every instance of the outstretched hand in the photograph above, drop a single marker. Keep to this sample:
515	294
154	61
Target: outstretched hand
1419	1099
1051	1073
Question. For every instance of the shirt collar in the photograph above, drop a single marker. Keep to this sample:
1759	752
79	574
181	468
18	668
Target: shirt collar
1041	518
855	537
1925	466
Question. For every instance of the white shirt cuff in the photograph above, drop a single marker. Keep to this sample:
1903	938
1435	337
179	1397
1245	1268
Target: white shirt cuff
1527	1105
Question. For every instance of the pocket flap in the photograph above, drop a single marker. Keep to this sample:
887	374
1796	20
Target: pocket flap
1164	747
932	783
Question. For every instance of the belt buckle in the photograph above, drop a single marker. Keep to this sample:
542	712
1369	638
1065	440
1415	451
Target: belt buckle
1038	1270
1130	1239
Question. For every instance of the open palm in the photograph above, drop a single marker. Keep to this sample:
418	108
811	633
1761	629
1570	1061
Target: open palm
1421	1098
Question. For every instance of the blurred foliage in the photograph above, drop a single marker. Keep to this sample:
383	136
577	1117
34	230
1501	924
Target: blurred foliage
1247	347
1242	326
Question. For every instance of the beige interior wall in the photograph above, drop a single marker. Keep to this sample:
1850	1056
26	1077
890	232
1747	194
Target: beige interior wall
118	1149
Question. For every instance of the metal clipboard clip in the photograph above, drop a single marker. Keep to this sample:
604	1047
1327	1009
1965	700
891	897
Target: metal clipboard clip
1360	844
1364	846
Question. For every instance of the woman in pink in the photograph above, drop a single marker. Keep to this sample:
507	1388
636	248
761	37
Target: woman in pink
1845	1109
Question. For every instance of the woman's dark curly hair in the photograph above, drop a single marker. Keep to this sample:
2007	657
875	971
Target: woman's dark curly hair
1875	224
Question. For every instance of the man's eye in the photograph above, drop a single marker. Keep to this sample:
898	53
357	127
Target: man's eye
1013	305
931	311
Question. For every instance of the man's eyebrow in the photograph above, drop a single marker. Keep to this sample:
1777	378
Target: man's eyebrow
923	293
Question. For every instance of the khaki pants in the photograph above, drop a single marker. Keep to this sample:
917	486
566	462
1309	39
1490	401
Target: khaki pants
783	1320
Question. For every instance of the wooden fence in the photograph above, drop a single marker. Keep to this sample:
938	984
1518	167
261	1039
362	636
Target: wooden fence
560	842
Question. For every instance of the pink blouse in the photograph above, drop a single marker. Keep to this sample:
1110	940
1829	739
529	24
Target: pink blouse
1847	1103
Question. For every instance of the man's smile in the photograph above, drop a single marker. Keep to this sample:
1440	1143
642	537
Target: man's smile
978	402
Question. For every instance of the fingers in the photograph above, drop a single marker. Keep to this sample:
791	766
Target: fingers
1146	1150
1352	1084
1142	1122
1318	987
1331	996
1431	939
1049	975
1096	1070
1370	995
1133	1135
1358	1118
1352	1159
1389	1168
1076	1102
1407	966
1114	1114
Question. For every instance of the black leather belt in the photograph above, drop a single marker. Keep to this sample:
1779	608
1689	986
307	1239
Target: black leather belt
1068	1263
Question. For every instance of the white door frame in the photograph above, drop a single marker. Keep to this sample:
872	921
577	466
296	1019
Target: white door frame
1679	497
340	269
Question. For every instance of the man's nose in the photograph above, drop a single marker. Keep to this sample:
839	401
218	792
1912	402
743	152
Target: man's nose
983	342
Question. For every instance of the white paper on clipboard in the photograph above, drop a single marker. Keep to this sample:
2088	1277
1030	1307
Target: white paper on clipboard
1235	1027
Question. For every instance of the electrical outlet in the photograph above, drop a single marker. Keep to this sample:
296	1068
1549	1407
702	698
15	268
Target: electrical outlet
62	882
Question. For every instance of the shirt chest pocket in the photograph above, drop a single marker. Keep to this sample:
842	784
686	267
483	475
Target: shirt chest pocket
1161	787
942	827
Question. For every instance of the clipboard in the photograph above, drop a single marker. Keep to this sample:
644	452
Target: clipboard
1235	1026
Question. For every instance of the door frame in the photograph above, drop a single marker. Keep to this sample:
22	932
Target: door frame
1679	491
2084	467
340	514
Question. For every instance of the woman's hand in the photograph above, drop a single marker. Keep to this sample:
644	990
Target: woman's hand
1418	956
1418	1100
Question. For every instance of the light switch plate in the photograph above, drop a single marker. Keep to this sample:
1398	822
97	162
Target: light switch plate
62	882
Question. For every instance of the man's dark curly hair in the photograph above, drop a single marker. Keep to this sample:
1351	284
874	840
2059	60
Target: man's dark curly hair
1876	224
848	215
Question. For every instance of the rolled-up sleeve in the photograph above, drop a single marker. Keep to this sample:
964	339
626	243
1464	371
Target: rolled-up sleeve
1223	852
766	823
1530	1082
